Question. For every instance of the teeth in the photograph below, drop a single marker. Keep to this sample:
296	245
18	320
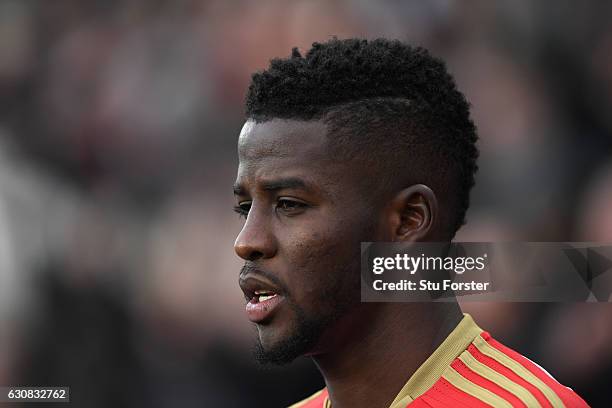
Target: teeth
266	297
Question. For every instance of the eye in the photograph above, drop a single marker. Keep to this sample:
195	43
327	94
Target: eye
290	207
243	208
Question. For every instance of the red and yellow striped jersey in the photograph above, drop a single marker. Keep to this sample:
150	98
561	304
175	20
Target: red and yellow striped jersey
471	369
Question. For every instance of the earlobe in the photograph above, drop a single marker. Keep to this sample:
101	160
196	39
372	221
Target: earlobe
414	211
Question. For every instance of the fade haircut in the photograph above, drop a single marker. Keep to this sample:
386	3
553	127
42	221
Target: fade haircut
392	106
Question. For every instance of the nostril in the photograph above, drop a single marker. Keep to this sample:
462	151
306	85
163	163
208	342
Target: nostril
248	252
254	244
255	255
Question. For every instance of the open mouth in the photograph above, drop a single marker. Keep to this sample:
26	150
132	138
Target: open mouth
262	297
261	308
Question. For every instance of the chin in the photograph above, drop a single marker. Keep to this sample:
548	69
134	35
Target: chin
270	338
281	347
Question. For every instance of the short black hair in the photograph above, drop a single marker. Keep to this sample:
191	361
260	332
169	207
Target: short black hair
383	101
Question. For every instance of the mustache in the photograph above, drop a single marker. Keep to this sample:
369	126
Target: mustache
251	268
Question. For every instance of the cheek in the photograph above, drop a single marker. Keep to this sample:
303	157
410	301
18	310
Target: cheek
324	266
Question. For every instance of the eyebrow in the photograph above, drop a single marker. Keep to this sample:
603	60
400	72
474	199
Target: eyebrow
275	185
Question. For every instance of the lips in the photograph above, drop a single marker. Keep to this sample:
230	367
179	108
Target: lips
262	296
262	310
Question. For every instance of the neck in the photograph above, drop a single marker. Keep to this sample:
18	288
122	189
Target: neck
381	346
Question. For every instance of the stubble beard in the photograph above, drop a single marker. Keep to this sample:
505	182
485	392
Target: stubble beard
302	338
307	330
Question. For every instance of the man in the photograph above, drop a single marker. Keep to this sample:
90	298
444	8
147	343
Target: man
365	141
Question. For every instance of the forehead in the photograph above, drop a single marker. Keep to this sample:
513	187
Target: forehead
285	148
282	139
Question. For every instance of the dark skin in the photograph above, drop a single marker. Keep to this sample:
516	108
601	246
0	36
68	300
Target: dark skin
306	214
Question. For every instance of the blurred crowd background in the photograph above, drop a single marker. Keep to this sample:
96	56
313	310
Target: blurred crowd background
118	124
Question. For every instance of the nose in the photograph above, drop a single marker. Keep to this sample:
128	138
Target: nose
255	240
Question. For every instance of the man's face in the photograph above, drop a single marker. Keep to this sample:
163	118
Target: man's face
306	214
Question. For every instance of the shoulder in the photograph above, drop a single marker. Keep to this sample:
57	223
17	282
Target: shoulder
316	400
488	373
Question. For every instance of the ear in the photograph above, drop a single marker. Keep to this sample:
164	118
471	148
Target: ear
413	212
